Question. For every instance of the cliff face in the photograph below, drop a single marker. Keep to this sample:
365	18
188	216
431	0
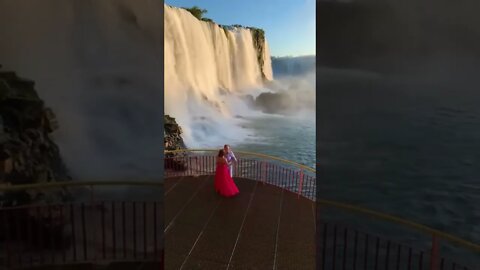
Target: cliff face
27	153
259	44
173	141
173	134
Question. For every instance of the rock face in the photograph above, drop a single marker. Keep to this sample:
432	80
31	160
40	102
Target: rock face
259	44
275	103
27	153
173	141
173	134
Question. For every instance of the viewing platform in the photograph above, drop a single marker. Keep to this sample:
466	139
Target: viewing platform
264	227
272	223
276	222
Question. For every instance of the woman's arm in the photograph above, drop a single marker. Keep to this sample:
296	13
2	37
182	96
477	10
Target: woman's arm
226	161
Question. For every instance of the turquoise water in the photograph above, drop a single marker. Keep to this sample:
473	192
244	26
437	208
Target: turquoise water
291	138
409	149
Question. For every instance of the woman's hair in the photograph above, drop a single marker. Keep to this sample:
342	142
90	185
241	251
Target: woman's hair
221	153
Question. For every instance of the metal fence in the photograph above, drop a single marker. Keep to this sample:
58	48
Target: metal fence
290	176
86	232
343	247
106	231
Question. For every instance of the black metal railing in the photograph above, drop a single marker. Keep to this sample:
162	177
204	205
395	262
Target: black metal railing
342	247
299	180
82	232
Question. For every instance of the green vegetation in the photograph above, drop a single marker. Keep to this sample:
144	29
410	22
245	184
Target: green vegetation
198	13
258	34
259	44
225	29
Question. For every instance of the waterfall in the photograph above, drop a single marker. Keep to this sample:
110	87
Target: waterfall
98	65
267	60
206	66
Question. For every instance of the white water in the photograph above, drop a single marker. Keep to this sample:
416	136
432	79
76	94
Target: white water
267	64
206	69
98	65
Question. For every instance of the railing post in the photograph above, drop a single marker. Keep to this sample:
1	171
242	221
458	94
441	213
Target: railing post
195	174
235	169
300	183
264	171
434	255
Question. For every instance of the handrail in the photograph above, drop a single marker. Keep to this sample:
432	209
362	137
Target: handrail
80	183
401	221
351	208
249	154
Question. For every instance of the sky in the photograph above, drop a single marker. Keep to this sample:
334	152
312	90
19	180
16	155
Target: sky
289	24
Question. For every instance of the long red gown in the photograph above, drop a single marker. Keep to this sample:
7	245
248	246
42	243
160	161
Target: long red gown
224	184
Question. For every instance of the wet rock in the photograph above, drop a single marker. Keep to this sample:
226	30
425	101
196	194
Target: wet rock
173	141
274	103
259	44
27	153
249	100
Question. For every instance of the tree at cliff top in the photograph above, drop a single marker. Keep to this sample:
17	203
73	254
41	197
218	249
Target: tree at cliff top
198	13
27	153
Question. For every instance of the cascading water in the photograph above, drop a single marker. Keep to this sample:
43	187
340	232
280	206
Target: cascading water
267	62
98	65
207	68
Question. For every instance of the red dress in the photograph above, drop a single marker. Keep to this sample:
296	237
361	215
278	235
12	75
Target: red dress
224	184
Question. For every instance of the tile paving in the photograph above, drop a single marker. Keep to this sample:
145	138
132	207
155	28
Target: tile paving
264	227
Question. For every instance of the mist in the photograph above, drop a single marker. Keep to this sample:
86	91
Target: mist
293	90
409	37
98	65
398	108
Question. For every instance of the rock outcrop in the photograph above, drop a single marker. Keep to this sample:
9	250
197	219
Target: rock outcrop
259	44
173	141
27	153
173	134
274	103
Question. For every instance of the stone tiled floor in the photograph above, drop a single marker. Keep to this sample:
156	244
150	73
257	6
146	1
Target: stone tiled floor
264	227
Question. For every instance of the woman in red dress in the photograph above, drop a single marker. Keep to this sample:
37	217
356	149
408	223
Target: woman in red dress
224	184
